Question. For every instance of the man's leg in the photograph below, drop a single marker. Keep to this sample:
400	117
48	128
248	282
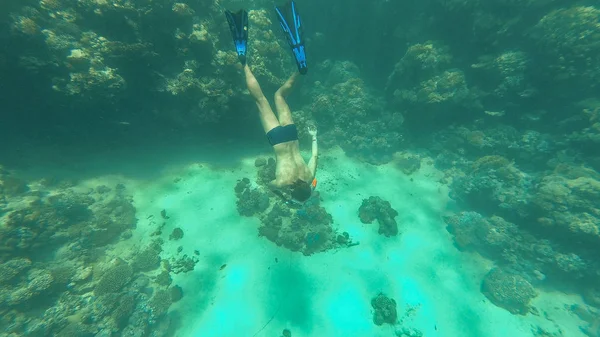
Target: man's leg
283	110
267	117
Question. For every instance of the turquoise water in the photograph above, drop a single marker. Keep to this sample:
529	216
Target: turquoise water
457	183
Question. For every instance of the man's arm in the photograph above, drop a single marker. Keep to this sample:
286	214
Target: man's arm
312	163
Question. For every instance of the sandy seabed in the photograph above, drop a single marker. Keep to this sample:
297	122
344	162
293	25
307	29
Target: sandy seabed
264	288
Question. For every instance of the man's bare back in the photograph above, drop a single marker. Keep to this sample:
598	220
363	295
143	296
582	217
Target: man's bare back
290	165
291	169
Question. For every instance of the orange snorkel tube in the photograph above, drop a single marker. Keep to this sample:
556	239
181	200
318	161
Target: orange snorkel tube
314	183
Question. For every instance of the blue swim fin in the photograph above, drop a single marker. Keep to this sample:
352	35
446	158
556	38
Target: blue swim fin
293	33
238	24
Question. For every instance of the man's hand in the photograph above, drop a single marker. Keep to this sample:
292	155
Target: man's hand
312	130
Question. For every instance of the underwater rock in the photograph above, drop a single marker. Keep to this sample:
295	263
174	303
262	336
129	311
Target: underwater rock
510	245
102	189
114	278
182	9
140	320
12	186
183	264
148	259
259	162
506	78
407	163
10	269
176	293
490	236
307	229
160	303
250	200
266	172
42	225
378	209
176	234
113	218
570	206
569	40
77	330
591	296
408	332
507	290
62	275
384	310
351	115
38	282
425	87
493	185
124	309
163	279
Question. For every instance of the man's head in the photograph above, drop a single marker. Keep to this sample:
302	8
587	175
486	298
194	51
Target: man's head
301	190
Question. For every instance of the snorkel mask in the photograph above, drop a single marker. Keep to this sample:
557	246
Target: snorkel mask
293	203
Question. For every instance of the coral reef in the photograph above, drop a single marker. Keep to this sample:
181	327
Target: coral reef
505	100
250	200
505	83
493	184
115	278
176	234
148	259
509	291
569	40
427	90
378	209
182	264
48	221
307	229
352	116
384	310
59	275
538	260
566	205
406	162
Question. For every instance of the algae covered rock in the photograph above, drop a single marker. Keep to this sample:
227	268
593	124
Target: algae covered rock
493	184
407	163
250	200
12	186
352	115
427	90
176	234
160	303
147	259
569	206
509	291
569	39
307	229
114	278
384	310
10	269
123	310
176	293
378	209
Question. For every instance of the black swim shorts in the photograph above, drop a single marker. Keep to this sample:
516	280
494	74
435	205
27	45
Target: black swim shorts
282	134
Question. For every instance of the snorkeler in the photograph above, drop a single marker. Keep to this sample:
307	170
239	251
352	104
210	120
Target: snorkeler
294	179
